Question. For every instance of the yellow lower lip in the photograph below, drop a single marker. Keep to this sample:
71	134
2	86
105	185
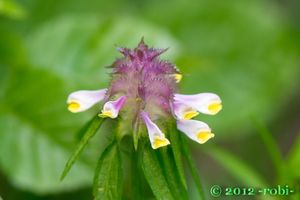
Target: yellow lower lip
73	106
190	114
105	114
204	136
214	108
160	142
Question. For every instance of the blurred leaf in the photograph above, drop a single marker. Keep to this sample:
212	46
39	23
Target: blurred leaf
32	160
271	146
88	132
293	159
237	50
154	174
77	52
240	170
11	9
12	50
33	146
108	174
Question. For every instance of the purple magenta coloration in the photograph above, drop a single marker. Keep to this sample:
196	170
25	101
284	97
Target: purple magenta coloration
144	88
144	78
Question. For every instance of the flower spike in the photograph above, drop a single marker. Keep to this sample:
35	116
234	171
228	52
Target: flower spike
207	103
142	81
196	130
145	87
111	108
156	136
82	100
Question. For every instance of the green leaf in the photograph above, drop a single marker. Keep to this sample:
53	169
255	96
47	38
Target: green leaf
171	173
176	149
35	82
12	9
83	51
108	175
36	133
33	161
192	167
271	146
240	170
293	159
154	174
234	46
139	185
89	132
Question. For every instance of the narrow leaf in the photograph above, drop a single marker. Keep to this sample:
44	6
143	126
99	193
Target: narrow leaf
138	182
293	158
89	132
241	171
171	174
271	145
176	149
108	175
154	174
192	167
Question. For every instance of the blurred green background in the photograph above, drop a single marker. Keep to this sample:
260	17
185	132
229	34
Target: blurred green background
245	51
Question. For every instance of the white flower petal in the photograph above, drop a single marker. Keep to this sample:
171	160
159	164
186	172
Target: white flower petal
111	108
156	136
82	100
207	103
195	130
183	111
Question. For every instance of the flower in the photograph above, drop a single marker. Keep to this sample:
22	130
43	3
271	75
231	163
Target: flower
84	99
188	106
157	138
196	130
111	108
144	90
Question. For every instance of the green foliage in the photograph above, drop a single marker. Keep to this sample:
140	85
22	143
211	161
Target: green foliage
240	170
177	152
154	174
238	50
270	145
246	51
83	52
34	91
88	132
293	160
171	174
32	160
108	174
192	168
11	9
32	147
